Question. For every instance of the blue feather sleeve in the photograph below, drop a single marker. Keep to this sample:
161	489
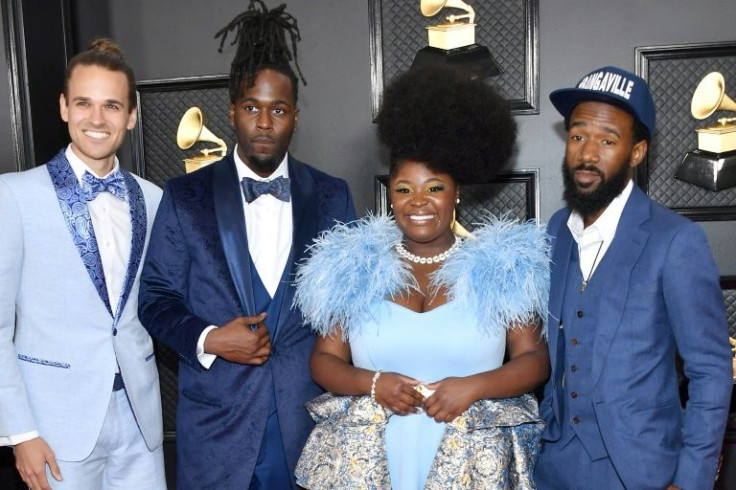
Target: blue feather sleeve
502	273
348	271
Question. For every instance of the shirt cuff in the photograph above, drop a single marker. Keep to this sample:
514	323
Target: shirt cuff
17	439
204	358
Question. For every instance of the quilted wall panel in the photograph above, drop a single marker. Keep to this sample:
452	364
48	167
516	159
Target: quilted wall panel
508	29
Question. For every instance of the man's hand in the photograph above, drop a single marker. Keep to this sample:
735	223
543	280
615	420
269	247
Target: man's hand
31	458
237	342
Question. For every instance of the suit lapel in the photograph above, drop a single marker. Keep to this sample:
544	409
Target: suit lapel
620	259
560	264
78	221
138	227
305	212
231	226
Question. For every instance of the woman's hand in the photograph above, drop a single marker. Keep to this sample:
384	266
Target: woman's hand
396	392
451	397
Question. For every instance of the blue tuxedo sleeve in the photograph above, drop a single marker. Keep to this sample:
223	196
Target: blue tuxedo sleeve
162	303
695	309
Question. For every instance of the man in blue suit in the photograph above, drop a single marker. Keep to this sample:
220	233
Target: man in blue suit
632	284
79	389
217	281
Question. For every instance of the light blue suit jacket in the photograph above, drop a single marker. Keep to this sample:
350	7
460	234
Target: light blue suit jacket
662	295
58	340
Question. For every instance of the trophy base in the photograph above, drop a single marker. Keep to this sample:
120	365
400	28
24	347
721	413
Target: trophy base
451	36
475	59
195	163
713	171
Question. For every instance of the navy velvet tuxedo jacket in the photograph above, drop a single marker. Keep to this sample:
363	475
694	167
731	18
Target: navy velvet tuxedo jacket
197	274
661	296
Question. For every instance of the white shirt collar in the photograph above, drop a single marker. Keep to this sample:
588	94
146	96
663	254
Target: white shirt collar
79	167
604	228
244	171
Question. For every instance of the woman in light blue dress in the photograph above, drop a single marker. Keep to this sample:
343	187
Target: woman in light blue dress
415	316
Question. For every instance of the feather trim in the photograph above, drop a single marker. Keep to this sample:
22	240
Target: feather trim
349	270
502	273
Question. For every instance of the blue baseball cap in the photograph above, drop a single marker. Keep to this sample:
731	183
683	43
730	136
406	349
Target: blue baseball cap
611	85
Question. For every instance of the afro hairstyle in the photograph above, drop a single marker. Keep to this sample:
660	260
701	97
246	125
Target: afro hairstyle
437	115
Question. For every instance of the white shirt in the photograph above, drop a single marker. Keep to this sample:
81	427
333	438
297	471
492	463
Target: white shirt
111	222
593	241
269	228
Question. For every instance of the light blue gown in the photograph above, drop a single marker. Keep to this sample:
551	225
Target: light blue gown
430	346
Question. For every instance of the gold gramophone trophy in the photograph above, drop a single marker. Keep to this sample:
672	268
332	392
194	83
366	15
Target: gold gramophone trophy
713	164
453	42
191	130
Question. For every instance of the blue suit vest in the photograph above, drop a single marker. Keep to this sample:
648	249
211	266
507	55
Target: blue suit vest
575	347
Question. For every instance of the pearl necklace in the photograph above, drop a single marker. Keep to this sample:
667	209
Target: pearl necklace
404	253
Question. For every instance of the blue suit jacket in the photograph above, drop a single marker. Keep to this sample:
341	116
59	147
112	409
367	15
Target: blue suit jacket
662	295
197	274
59	341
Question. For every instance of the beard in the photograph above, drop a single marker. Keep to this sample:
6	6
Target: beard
589	203
265	165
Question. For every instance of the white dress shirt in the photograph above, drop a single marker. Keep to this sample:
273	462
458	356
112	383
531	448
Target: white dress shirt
269	228
111	222
594	241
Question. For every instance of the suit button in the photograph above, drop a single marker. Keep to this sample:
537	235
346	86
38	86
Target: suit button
580	314
114	332
574	394
573	368
574	341
575	420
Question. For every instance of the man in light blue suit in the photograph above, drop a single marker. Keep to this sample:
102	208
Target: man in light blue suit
632	284
79	391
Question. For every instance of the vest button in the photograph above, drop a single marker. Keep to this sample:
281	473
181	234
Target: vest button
114	332
575	420
574	394
574	368
580	313
574	341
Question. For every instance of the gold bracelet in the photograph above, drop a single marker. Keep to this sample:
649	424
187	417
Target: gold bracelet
376	375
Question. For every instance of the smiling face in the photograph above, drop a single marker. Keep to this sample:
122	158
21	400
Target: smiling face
98	114
264	117
600	157
423	204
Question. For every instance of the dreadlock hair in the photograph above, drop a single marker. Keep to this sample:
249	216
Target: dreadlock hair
261	38
103	52
438	116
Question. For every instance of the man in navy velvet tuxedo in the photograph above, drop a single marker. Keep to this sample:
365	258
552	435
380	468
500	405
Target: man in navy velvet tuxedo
216	285
632	283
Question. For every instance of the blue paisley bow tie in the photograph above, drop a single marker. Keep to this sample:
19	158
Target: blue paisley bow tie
113	183
278	188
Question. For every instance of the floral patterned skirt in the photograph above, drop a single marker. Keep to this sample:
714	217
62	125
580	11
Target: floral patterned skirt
493	445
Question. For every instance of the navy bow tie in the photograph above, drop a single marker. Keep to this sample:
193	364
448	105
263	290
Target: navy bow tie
278	188
113	183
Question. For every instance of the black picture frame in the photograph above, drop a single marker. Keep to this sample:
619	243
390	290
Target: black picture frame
161	104
673	72
509	29
728	286
514	193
